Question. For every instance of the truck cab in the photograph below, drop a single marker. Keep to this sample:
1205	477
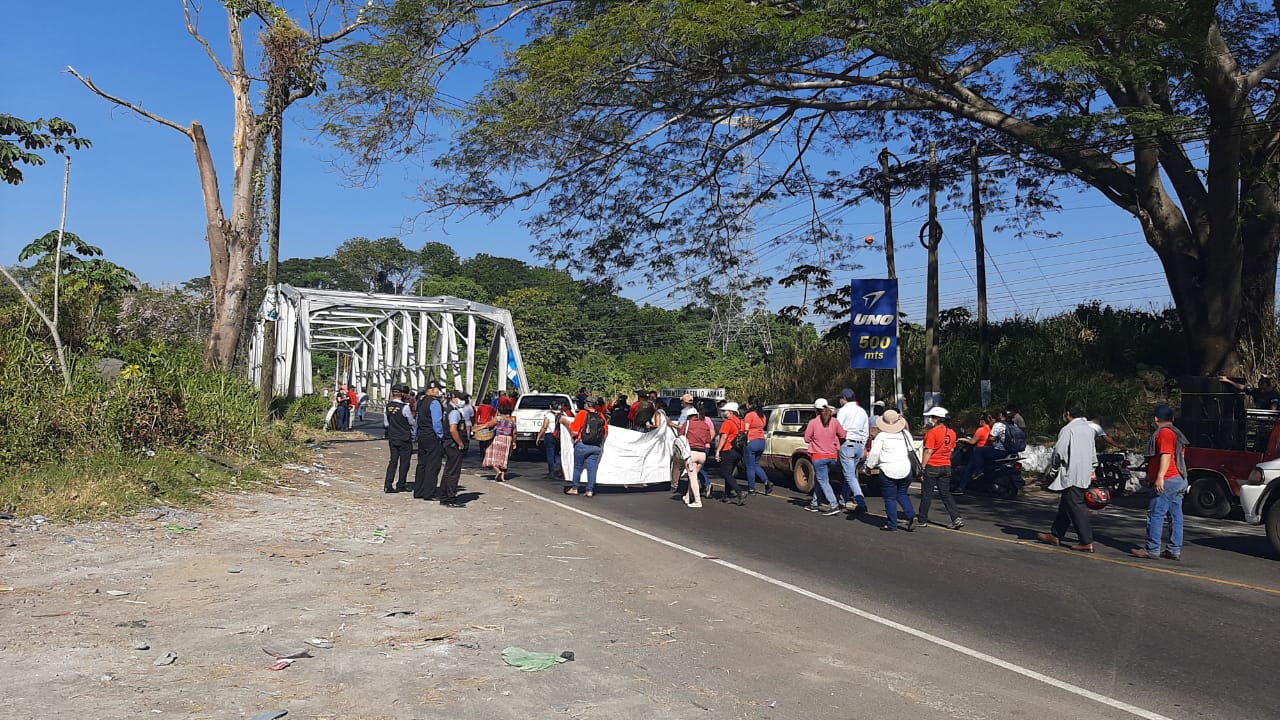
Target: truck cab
1226	442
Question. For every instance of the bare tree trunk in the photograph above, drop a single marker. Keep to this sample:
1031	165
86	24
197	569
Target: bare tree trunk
53	328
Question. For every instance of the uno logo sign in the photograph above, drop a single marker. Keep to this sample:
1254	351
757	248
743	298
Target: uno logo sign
865	319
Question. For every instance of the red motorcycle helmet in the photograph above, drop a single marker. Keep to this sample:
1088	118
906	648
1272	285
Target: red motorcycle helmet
1097	498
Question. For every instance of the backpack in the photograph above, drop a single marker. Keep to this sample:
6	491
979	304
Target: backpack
593	430
1015	440
740	442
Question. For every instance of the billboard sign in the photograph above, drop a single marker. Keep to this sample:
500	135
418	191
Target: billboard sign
873	325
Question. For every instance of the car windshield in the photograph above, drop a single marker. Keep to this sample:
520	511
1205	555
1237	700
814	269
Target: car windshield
536	402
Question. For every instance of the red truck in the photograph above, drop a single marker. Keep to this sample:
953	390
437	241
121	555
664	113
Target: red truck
1226	442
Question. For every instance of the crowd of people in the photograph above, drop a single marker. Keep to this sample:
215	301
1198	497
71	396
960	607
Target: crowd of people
439	425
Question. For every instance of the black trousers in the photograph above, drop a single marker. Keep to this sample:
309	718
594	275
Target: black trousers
398	465
937	477
453	455
1072	511
427	476
728	466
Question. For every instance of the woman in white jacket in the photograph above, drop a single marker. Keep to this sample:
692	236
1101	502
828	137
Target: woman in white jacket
890	451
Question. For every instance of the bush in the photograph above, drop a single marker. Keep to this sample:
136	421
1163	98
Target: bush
308	411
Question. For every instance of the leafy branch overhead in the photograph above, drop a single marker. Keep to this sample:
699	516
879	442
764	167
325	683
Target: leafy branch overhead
21	142
643	130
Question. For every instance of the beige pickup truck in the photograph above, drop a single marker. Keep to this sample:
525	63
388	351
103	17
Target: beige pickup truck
786	453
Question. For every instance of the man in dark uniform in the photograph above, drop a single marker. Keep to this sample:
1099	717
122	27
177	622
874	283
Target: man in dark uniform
431	442
400	426
455	448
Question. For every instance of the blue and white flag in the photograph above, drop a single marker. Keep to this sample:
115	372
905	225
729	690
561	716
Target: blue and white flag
873	325
513	374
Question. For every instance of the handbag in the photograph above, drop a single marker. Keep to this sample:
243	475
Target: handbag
917	467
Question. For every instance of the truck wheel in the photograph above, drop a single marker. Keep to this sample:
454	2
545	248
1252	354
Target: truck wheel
1271	518
802	475
1208	497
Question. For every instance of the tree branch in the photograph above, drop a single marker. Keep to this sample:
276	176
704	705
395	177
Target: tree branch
1260	73
128	105
193	20
53	329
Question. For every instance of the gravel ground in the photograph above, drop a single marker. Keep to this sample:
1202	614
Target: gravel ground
408	606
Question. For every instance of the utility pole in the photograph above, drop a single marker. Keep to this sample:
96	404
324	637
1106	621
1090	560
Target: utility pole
980	253
886	197
267	376
932	359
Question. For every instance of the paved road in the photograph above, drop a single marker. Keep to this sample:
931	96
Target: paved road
1192	639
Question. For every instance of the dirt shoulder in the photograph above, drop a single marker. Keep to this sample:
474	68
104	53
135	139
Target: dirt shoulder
418	602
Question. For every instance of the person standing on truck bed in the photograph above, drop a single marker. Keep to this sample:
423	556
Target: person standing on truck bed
1167	476
1265	396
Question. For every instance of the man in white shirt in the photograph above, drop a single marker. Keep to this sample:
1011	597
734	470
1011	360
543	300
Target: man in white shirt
856	426
998	430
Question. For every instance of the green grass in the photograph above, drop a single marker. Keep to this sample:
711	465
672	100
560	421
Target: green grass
104	485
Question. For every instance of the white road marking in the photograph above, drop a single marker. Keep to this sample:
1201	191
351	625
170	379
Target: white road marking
907	629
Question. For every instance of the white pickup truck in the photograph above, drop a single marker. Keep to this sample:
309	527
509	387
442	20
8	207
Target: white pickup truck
530	409
1260	499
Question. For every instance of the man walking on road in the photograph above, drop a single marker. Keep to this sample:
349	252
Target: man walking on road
400	427
939	442
431	435
856	426
1075	455
1167	476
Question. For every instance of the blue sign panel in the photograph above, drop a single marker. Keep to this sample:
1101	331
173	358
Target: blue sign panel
873	325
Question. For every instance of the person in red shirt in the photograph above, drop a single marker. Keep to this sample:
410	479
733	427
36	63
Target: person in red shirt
588	442
981	442
755	422
1167	476
939	442
727	454
700	435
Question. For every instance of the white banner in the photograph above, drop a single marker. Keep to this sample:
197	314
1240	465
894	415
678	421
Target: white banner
628	458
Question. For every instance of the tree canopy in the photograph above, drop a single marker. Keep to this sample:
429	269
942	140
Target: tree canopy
636	123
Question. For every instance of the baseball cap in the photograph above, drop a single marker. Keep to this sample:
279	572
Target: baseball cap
821	403
729	407
435	385
1164	413
936	411
847	393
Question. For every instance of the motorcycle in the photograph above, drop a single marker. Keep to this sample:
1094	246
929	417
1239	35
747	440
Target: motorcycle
1001	478
1113	473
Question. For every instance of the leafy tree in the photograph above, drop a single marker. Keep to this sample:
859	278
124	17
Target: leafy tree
439	260
537	313
633	121
459	287
21	142
382	265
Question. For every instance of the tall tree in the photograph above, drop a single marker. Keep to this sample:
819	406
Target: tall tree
630	119
233	237
384	265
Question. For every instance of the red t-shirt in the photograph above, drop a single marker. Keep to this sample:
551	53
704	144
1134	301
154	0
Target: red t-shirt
941	440
729	430
485	413
1167	444
755	423
982	436
580	422
699	431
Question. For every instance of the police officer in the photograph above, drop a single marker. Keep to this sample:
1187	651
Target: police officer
431	442
400	426
455	448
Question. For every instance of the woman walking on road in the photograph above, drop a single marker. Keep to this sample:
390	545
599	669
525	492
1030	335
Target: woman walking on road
939	442
755	422
504	429
891	452
728	454
699	435
824	436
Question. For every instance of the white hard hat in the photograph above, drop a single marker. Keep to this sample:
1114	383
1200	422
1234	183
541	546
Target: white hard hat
936	411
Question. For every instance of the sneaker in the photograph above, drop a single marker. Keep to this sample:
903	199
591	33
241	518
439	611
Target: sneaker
768	486
956	524
921	523
1170	556
833	511
812	508
912	523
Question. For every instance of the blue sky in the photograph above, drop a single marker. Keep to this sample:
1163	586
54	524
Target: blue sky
135	193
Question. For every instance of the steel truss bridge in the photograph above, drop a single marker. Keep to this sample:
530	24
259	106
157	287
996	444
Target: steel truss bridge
383	339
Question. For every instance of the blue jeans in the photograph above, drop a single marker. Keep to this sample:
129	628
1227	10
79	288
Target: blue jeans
551	444
978	462
821	472
895	494
1164	503
850	458
755	449
586	456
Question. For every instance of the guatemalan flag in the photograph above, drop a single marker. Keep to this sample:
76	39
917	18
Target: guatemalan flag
512	374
